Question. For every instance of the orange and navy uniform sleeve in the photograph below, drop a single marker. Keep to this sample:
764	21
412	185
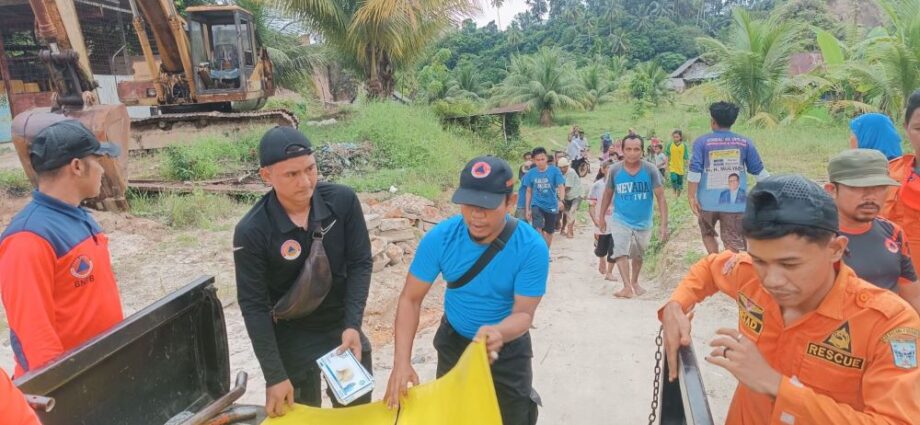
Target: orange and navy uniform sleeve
891	393
722	272
27	264
13	406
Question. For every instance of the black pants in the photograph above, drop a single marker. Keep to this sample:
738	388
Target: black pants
307	390
512	373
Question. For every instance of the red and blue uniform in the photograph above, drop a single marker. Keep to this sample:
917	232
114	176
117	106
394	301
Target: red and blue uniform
56	281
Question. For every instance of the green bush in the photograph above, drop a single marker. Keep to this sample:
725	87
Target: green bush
210	156
14	183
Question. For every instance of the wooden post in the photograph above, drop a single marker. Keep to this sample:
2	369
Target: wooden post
504	130
5	73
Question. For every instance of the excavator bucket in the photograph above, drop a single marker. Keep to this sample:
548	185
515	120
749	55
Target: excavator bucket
108	122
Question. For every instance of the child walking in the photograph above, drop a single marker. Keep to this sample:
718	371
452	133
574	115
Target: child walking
678	156
603	241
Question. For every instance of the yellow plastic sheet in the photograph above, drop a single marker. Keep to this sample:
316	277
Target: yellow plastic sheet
465	396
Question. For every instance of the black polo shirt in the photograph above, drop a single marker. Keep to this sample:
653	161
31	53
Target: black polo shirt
269	251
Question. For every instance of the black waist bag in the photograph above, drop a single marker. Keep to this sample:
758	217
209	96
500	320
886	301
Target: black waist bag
312	285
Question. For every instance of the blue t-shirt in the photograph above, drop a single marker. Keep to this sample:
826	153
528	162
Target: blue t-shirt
720	161
521	268
633	194
522	197
544	185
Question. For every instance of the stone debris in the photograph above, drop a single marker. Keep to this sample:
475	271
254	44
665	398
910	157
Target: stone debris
396	225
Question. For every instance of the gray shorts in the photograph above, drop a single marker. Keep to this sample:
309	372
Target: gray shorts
629	242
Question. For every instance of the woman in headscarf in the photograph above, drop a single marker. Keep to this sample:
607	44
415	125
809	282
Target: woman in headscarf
876	131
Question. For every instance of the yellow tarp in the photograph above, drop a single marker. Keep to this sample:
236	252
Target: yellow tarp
465	396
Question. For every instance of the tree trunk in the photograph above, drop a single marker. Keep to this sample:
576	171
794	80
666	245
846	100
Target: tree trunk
381	80
546	117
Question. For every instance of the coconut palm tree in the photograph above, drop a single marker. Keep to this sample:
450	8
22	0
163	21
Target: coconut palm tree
895	60
546	81
754	63
497	4
598	85
377	37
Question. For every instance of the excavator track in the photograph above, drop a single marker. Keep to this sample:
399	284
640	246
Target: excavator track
165	130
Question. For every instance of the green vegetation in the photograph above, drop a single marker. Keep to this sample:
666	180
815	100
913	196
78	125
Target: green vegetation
546	82
211	156
411	149
196	210
378	37
14	183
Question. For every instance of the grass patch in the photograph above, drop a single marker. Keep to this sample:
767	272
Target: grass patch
411	149
803	147
211	156
198	209
14	183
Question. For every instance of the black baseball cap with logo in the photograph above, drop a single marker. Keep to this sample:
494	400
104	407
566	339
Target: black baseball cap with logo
59	143
484	183
790	199
282	143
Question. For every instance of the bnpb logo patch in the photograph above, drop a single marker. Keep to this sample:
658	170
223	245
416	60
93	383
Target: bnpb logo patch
891	245
290	249
836	349
81	267
481	169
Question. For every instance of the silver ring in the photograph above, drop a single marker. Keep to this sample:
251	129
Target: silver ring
725	352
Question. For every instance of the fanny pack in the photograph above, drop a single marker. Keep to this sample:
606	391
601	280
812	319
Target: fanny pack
312	284
497	245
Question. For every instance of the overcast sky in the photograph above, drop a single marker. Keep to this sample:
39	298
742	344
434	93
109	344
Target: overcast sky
508	10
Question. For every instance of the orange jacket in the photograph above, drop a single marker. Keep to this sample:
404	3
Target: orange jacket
897	210
13	407
837	362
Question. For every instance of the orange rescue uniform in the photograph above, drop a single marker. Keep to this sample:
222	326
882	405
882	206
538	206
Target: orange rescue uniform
851	361
903	203
13	407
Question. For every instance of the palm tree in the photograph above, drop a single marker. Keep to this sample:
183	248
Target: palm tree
895	61
514	35
754	63
465	83
497	4
377	37
546	81
598	85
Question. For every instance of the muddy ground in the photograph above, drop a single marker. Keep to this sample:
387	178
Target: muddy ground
593	354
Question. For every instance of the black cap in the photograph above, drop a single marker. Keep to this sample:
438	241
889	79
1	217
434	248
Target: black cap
484	182
64	141
281	143
792	200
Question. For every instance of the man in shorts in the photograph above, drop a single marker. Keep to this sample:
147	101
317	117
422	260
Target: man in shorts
545	192
720	159
632	183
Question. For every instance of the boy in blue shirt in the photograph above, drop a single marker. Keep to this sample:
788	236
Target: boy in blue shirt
497	305
545	192
718	169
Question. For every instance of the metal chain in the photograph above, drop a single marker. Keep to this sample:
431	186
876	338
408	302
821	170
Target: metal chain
656	383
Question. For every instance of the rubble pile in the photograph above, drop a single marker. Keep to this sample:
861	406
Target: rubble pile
396	225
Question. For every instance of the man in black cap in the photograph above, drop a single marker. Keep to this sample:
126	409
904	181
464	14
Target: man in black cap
491	297
271	245
814	343
55	269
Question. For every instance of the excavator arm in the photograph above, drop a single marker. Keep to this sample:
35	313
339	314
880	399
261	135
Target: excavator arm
68	68
168	29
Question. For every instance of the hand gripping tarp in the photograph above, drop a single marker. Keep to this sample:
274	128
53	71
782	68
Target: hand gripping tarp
464	396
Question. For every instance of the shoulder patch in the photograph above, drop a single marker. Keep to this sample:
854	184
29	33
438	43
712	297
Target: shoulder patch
901	333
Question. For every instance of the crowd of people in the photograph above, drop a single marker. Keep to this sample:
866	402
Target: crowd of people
823	277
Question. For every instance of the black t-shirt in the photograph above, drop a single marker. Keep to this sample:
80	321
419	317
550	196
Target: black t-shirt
269	252
880	255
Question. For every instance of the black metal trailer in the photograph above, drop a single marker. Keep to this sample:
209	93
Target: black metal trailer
165	364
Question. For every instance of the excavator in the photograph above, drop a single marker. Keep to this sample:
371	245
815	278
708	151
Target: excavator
209	76
210	72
